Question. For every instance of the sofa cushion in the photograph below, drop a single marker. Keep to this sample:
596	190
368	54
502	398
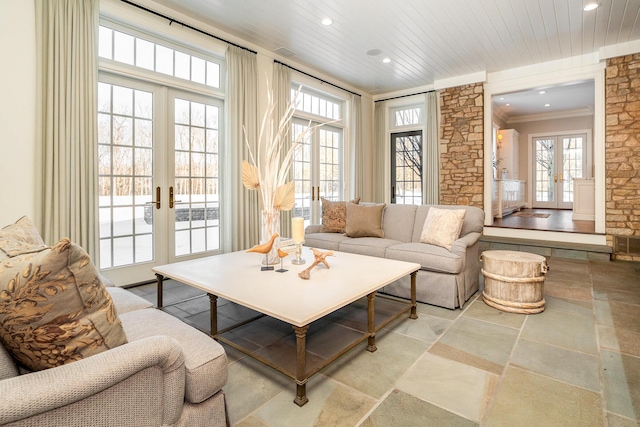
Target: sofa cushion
54	309
18	237
473	219
430	257
334	215
205	360
126	301
364	220
442	227
330	241
371	246
398	222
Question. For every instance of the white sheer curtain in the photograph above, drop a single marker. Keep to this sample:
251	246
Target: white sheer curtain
357	179
67	84
242	212
282	96
380	153
431	176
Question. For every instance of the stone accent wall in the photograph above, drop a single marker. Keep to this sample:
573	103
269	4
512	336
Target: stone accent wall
622	149
462	145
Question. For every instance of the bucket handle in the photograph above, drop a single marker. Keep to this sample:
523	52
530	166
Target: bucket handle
544	267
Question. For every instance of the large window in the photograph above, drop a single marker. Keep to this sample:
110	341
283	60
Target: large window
318	164
159	122
406	155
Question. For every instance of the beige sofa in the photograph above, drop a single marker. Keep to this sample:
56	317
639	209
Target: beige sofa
448	278
168	374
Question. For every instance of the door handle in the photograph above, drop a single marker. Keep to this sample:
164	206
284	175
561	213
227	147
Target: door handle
157	200
393	193
560	177
555	177
313	194
171	201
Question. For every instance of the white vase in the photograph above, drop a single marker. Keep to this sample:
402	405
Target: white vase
270	226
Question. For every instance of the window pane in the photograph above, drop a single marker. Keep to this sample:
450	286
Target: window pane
105	43
123	47
144	104
122	100
183	66
198	73
104	97
213	74
144	54
164	60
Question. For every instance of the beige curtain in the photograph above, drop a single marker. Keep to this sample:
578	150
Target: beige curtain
67	75
241	210
431	175
380	154
282	96
357	179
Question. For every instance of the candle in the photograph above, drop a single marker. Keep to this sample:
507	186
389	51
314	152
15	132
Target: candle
297	229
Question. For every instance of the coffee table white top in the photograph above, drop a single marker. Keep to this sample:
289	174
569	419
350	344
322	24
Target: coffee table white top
237	277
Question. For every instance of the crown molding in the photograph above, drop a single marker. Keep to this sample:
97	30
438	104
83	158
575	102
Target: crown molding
565	114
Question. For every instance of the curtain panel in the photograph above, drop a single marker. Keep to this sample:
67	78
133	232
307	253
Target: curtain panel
380	153
242	211
357	179
66	123
431	178
282	97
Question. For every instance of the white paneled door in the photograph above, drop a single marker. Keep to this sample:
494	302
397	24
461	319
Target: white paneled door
557	161
158	177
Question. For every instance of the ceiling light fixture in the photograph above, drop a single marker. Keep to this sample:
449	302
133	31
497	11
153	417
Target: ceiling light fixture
502	98
508	105
542	92
386	60
547	105
588	5
327	21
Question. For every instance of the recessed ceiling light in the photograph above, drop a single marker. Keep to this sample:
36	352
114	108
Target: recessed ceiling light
386	60
374	52
542	92
502	98
589	5
508	105
327	21
547	105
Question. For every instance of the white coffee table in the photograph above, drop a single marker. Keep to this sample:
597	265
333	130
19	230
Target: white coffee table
237	277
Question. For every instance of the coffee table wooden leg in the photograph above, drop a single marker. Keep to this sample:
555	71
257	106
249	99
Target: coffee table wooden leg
301	365
213	312
160	279
414	304
370	322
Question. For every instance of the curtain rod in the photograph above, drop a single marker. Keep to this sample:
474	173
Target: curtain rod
314	77
171	21
404	96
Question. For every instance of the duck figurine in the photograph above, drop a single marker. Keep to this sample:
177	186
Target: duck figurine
264	248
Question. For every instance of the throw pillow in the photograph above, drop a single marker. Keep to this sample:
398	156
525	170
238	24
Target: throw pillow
18	237
364	220
334	215
442	227
54	309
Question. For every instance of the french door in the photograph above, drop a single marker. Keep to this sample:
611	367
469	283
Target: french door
406	168
558	160
158	177
316	169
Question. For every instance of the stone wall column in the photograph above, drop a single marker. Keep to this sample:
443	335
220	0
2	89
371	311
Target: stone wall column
622	150
462	145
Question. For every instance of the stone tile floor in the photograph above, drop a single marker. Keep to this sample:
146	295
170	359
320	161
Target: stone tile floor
575	364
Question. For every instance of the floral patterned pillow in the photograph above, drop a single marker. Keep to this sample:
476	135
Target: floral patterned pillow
334	215
54	309
18	237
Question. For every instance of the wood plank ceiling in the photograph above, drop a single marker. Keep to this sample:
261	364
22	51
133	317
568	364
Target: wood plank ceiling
426	40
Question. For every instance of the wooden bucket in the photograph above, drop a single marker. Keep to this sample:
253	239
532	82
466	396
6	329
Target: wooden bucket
514	281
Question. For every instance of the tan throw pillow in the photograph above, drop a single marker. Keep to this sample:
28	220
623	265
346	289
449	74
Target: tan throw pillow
364	220
18	237
54	309
334	215
442	227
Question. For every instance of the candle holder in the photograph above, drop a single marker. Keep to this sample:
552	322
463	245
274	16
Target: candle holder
298	259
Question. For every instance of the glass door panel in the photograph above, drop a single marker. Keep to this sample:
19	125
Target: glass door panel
125	178
301	172
406	168
196	203
573	165
544	173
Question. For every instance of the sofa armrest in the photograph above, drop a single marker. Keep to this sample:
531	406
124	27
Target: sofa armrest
313	228
460	246
36	393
